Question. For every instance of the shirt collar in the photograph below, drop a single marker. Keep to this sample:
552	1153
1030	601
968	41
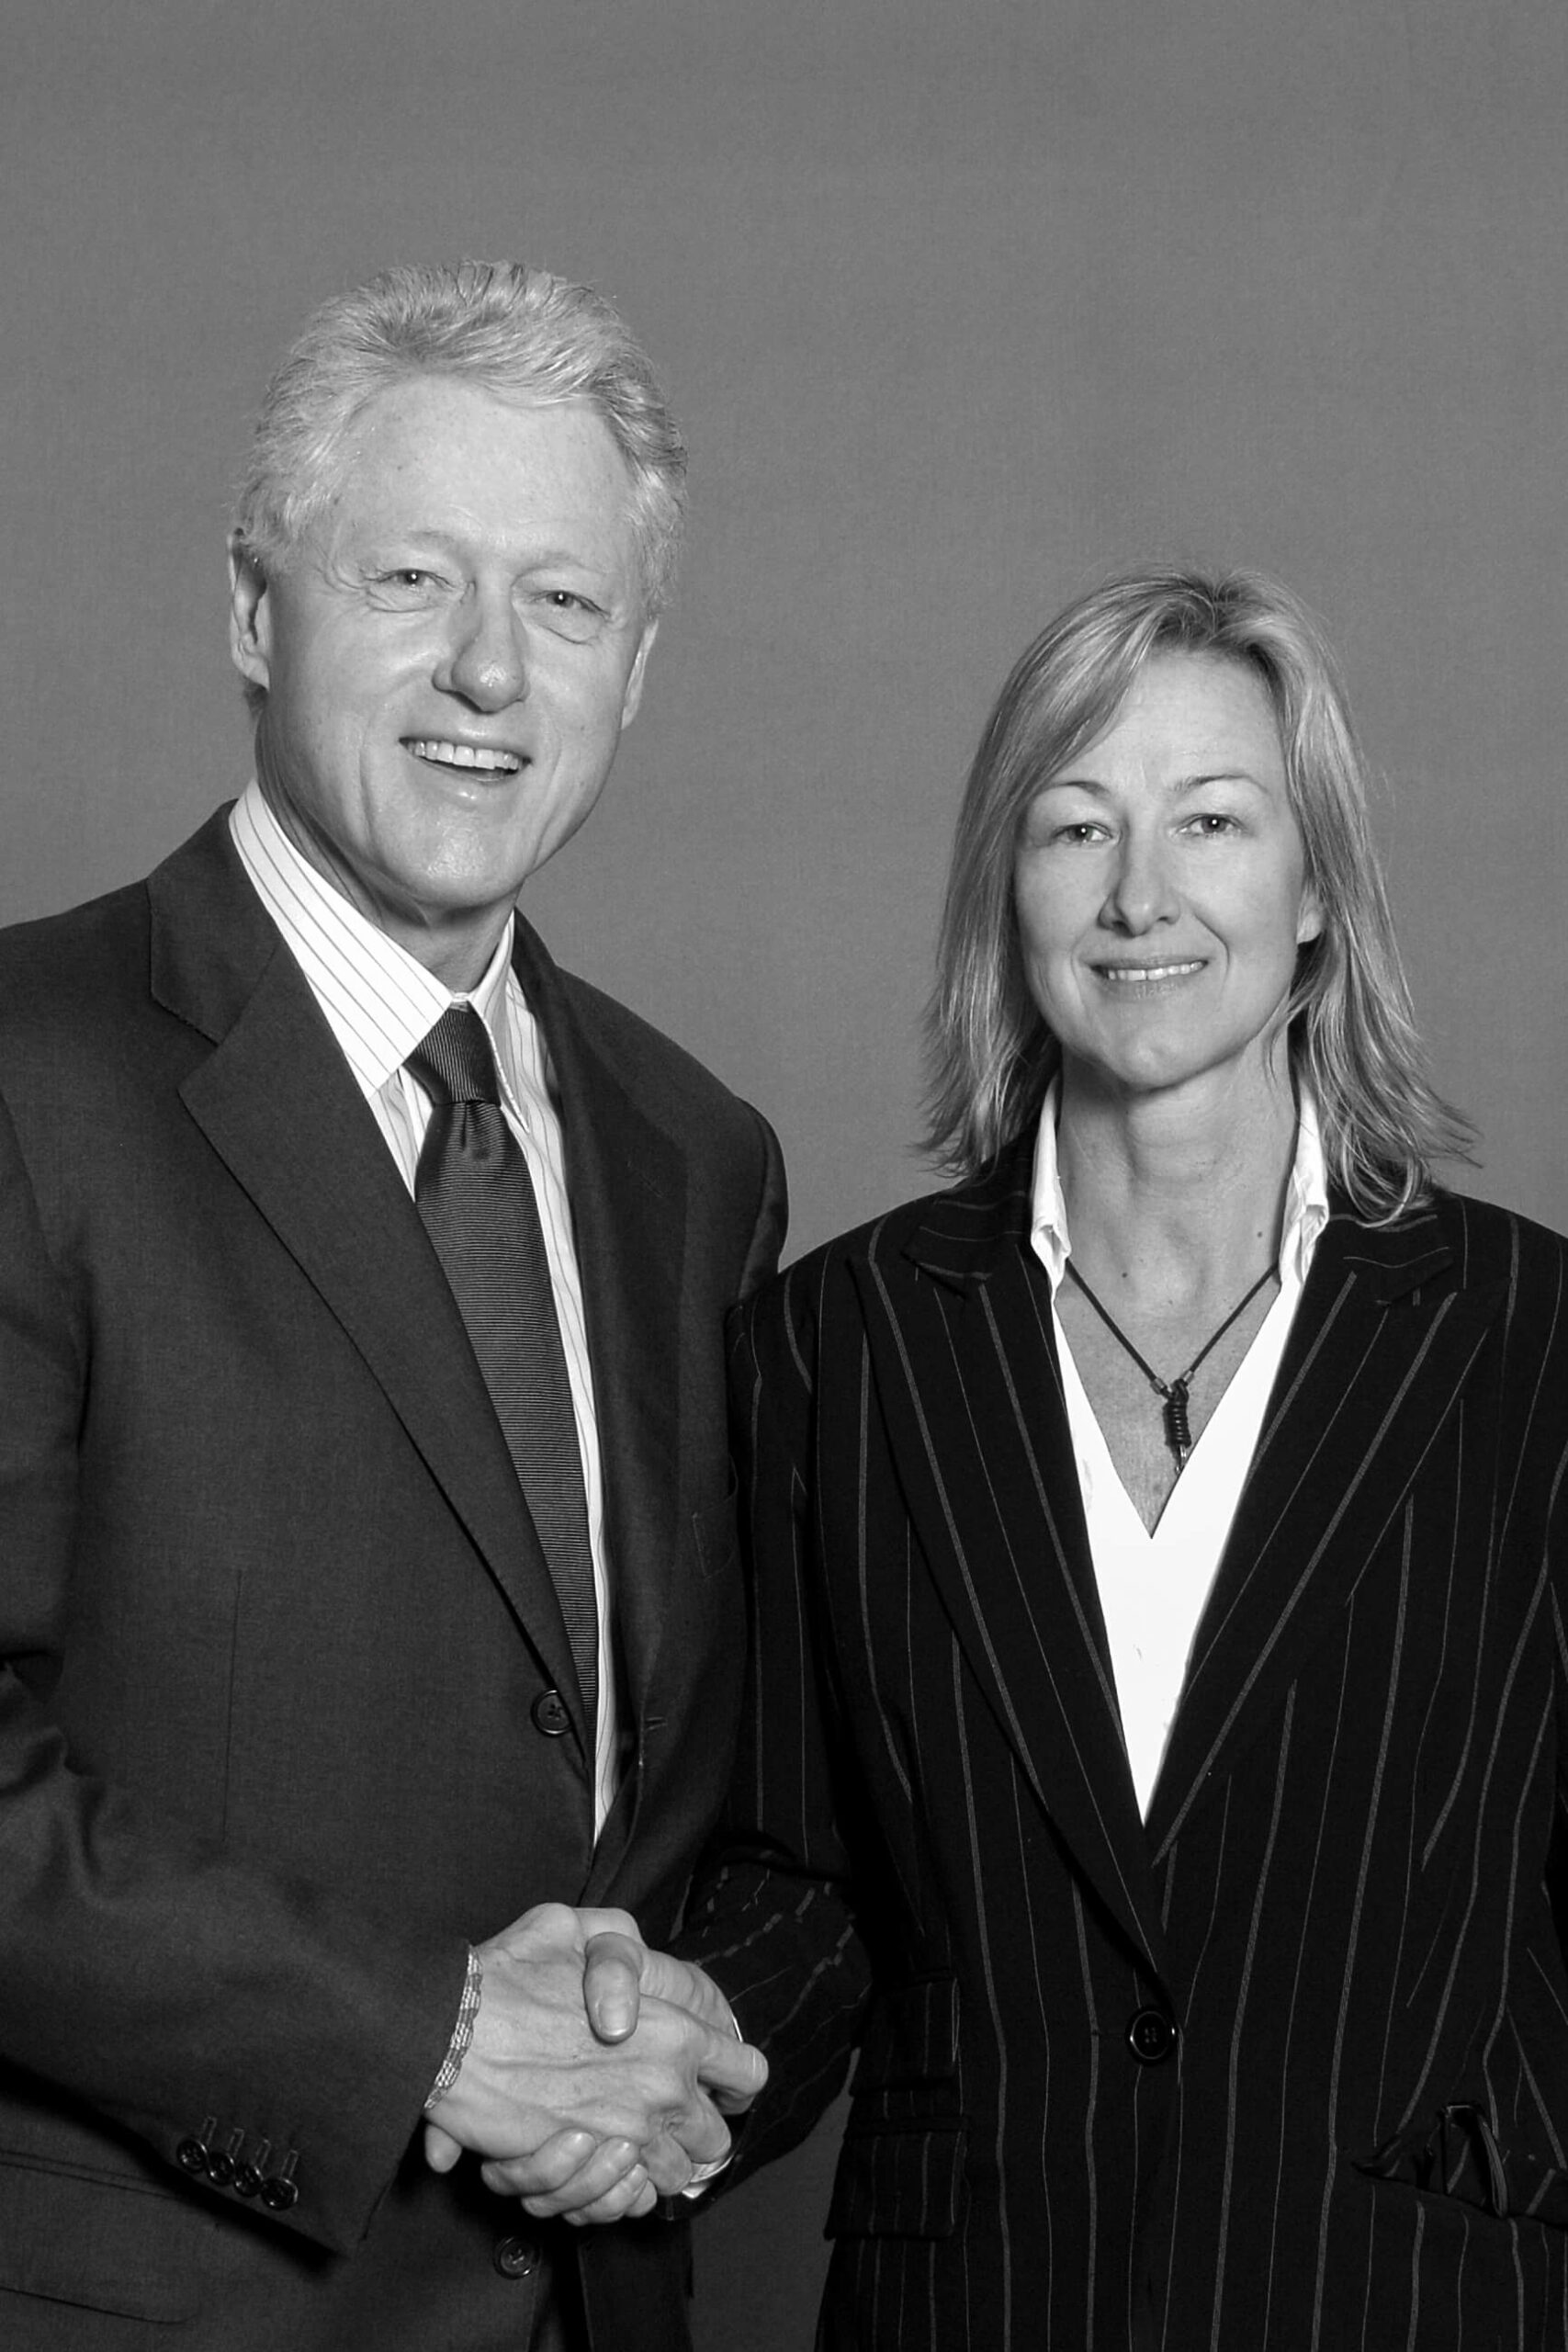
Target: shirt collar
1306	1195
379	1001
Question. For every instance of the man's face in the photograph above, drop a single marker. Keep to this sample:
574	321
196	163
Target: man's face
449	659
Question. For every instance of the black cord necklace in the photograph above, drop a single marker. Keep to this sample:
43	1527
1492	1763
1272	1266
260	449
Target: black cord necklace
1174	1393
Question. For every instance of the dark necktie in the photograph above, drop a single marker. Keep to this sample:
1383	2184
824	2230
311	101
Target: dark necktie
474	1194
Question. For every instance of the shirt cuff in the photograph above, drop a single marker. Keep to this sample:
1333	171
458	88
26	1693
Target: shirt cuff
462	2033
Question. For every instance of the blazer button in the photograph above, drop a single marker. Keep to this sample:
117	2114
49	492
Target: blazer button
280	2190
191	2156
517	2257
1151	2036
550	1716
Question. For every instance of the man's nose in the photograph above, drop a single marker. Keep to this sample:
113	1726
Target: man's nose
1142	889
485	658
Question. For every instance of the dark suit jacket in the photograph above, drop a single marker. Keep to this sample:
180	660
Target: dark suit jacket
1287	2066
274	1626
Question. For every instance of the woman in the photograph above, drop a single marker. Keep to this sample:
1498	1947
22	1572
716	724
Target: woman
1152	1755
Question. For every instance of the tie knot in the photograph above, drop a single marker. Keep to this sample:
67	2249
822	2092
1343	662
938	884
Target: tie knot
455	1063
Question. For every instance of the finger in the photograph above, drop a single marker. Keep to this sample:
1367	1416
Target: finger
607	1922
629	2201
441	2150
612	1984
551	2165
701	2135
666	2157
602	2190
686	1986
731	2072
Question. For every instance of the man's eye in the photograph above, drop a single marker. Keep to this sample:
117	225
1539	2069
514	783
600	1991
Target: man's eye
565	612
403	583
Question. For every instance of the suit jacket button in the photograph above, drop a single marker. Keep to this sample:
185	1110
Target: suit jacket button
247	2181
549	1714
279	2195
191	2156
517	2257
1151	2036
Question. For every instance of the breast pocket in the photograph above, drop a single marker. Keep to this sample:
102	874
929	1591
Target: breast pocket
901	2167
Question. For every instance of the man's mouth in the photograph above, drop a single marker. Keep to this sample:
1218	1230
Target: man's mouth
443	754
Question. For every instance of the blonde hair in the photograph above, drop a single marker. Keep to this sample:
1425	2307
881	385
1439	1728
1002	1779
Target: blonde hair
1351	1032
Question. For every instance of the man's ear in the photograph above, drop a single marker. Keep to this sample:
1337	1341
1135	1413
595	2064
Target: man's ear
633	694
250	616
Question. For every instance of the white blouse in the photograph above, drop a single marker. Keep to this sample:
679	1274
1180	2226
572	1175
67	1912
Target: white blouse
1153	1586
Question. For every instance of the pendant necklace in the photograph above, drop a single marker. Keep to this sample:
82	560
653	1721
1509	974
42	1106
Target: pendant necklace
1173	1392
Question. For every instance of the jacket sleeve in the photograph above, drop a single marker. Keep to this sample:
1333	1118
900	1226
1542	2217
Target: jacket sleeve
143	1968
773	1916
773	1215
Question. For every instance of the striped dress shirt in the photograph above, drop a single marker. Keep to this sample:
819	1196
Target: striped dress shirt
380	1002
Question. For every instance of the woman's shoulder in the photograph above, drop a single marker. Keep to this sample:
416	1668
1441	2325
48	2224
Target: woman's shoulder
1497	1244
952	1235
1474	1242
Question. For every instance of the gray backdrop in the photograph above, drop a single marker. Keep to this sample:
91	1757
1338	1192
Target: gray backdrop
961	305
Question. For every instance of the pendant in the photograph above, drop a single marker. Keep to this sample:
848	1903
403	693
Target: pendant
1178	1432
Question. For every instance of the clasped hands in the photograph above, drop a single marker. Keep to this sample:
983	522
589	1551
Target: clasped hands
600	2073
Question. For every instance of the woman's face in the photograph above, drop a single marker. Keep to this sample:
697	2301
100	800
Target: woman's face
1160	886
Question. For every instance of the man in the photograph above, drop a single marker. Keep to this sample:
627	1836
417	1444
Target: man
364	1530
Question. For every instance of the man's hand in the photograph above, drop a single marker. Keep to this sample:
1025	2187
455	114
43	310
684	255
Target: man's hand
567	2175
619	1969
592	2122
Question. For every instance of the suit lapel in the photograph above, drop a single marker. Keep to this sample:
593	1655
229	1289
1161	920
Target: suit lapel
277	1103
626	1180
966	1368
1384	1340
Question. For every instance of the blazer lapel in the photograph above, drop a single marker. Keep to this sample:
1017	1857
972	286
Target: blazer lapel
966	1368
626	1179
278	1104
1384	1340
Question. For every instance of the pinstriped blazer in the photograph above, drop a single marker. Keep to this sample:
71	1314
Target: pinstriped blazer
1287	2066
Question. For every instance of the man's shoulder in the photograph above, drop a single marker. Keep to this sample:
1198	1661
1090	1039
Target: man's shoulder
77	977
67	960
618	1032
660	1075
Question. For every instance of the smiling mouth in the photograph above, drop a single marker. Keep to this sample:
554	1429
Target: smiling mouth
1130	976
438	753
